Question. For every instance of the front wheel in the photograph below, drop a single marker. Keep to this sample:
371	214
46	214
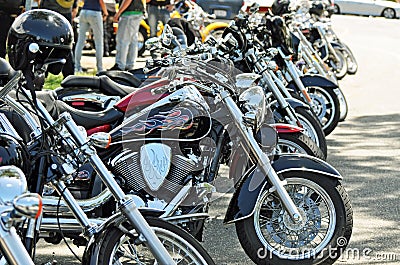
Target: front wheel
298	143
312	128
326	106
120	247
352	65
339	64
270	236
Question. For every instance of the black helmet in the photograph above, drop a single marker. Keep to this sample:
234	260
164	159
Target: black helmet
49	30
280	7
317	8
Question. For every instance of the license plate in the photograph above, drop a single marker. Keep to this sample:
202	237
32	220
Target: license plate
220	13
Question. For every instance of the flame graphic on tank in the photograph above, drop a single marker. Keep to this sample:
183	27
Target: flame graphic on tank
176	119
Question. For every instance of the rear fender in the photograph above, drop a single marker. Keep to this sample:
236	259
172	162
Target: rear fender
213	26
286	128
253	182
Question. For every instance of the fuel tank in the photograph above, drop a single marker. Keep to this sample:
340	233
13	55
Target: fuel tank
181	115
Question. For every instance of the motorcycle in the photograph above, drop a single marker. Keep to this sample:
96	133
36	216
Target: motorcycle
323	96
16	206
56	150
173	127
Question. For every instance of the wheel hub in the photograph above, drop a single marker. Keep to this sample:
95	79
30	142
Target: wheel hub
290	224
286	232
318	105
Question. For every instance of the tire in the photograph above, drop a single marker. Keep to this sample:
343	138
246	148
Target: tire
352	65
312	128
336	9
317	197
185	247
142	37
344	108
290	143
326	106
339	67
389	13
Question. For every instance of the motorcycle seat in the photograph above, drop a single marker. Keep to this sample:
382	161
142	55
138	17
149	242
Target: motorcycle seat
103	84
122	77
89	119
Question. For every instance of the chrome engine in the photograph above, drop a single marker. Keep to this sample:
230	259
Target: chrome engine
153	169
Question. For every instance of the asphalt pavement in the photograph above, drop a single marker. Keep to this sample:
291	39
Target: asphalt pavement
365	148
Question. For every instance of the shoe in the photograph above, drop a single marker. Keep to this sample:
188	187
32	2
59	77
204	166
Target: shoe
115	67
106	54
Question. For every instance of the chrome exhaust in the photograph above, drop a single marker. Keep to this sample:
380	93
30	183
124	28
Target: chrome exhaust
67	225
51	204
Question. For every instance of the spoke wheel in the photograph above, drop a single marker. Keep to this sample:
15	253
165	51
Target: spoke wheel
281	236
326	106
127	248
270	236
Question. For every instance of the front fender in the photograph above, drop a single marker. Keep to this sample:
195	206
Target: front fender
294	103
213	26
311	80
91	254
253	182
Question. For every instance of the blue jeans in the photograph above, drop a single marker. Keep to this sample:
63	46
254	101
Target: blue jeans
127	41
156	14
89	19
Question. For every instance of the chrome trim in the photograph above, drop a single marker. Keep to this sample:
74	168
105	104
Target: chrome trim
155	162
98	99
177	200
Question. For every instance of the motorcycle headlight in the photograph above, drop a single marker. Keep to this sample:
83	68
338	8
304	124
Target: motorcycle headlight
12	183
253	105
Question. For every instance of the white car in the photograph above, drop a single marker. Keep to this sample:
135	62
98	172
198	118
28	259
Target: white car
382	8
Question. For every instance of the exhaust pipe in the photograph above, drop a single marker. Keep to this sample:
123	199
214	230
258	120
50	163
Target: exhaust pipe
68	225
51	203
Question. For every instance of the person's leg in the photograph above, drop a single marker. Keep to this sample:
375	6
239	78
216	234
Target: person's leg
133	46
96	23
107	27
152	19
164	16
123	40
83	28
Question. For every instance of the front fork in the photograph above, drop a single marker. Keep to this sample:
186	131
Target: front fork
127	206
260	158
12	248
328	44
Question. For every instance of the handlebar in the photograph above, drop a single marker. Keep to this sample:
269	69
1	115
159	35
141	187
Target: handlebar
16	76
